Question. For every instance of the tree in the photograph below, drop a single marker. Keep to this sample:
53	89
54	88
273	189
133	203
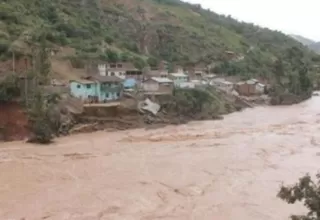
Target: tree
108	39
306	191
9	88
305	82
44	65
124	57
139	63
41	116
112	56
153	62
278	70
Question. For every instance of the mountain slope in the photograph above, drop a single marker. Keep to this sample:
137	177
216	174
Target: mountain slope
303	40
315	47
138	29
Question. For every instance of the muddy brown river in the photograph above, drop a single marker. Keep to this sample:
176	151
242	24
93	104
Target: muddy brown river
226	170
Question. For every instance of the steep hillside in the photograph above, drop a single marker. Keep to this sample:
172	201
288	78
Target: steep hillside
141	29
315	47
303	40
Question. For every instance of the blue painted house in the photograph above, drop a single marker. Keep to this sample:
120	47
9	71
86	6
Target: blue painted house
129	83
97	88
179	78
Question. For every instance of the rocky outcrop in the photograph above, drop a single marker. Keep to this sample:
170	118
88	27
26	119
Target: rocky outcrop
288	99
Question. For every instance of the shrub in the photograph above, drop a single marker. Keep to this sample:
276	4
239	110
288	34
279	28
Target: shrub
8	13
9	88
112	56
4	46
305	191
125	57
153	62
108	39
139	63
43	124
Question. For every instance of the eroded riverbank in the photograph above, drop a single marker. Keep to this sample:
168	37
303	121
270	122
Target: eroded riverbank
229	169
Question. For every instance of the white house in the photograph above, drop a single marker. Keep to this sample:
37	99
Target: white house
260	88
115	70
178	78
123	70
104	71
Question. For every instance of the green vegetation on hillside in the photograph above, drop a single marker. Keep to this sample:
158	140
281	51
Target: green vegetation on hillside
140	30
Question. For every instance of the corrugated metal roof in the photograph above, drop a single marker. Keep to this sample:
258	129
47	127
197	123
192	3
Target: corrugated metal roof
106	78
221	80
260	84
124	66
122	69
178	74
251	82
82	81
161	79
156	73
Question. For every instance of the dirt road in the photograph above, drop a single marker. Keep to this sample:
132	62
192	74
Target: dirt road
229	169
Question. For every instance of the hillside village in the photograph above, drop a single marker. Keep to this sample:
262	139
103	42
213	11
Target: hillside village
109	87
107	82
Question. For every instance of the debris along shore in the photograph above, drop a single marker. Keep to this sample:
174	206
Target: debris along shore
183	106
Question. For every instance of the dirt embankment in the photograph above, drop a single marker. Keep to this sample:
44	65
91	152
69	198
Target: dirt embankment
13	122
171	113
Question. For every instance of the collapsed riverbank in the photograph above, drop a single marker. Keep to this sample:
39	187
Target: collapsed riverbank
183	106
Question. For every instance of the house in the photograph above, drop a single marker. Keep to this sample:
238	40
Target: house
178	78
260	88
210	76
222	84
120	70
158	86
250	87
197	72
97	88
163	66
178	69
156	73
187	85
245	88
129	84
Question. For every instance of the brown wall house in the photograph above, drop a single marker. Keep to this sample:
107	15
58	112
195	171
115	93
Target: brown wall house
156	73
245	89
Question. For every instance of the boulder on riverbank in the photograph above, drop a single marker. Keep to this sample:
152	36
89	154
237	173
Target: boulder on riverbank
288	99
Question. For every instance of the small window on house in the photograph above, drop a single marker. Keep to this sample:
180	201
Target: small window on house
113	65
88	86
78	86
118	94
112	74
119	65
